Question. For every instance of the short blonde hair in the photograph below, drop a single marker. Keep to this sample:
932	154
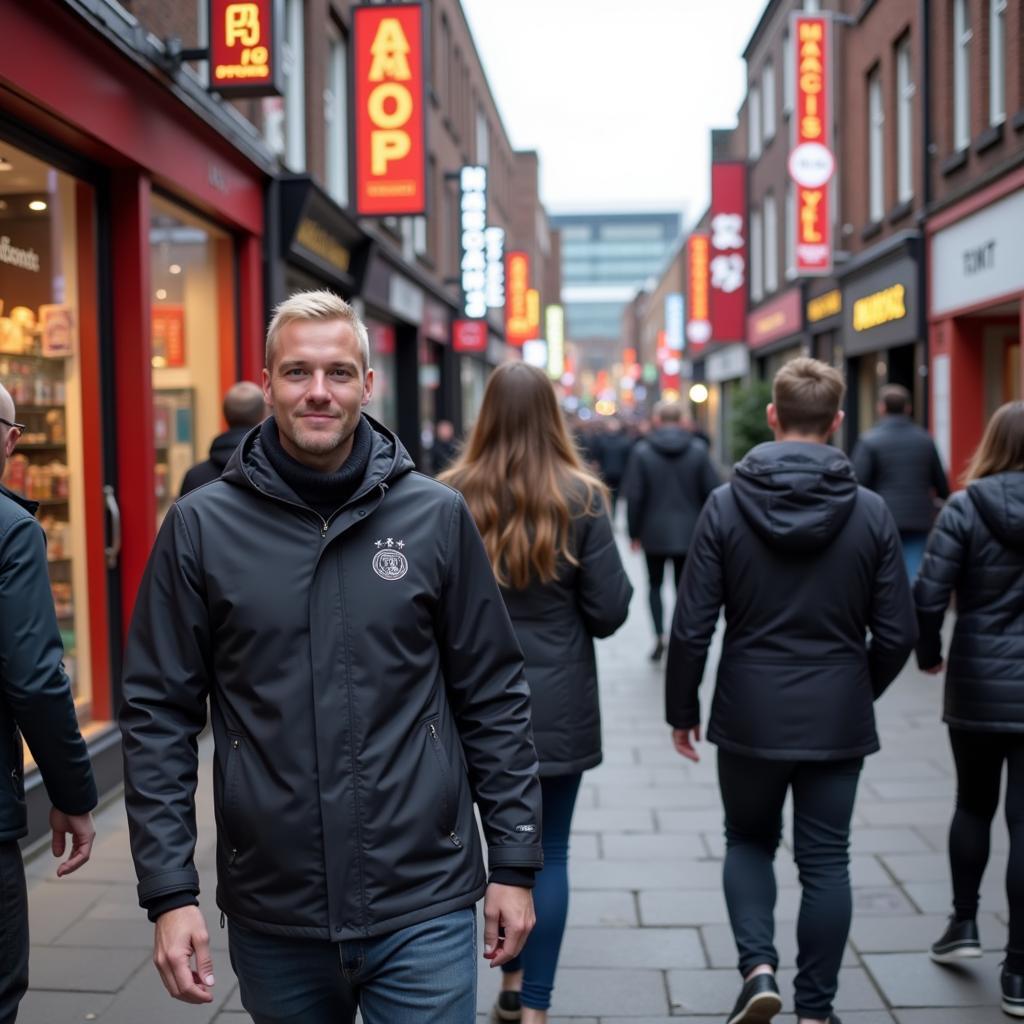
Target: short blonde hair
807	394
316	305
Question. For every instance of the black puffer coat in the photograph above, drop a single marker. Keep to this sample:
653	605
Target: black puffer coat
669	478
555	624
805	562
977	550
365	688
221	449
899	461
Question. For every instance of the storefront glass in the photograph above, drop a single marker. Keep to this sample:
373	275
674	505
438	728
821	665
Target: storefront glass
383	406
472	379
41	337
193	340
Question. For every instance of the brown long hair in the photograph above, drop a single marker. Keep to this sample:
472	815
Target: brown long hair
1002	447
522	477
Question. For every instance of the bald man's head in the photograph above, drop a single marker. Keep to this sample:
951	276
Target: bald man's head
8	436
244	405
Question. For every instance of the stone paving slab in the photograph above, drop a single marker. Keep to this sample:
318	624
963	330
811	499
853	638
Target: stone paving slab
79	969
912	980
916	932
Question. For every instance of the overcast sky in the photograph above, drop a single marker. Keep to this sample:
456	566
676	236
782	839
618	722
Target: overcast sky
618	96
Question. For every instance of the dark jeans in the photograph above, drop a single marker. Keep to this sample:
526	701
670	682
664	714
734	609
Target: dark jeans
13	932
423	974
979	760
539	958
913	544
656	575
753	792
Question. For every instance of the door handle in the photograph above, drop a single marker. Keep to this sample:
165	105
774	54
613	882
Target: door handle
113	549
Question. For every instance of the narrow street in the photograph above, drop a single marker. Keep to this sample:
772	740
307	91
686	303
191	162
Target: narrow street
648	940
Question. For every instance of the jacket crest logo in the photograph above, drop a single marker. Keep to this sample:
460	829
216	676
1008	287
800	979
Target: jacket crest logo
389	563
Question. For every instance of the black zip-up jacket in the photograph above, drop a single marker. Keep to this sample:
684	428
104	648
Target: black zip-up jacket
556	624
221	449
977	550
35	695
669	478
805	563
899	460
365	687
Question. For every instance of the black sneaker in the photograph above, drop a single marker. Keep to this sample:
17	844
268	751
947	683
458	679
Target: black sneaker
659	650
1013	993
509	1007
959	942
759	1001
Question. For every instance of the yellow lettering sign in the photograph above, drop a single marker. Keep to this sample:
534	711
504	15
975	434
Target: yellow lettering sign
880	308
824	306
390	53
811	200
242	24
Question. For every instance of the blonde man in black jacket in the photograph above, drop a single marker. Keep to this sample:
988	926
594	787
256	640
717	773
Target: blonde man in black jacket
793	705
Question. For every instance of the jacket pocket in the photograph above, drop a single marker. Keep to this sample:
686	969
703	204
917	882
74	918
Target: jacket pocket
449	808
231	773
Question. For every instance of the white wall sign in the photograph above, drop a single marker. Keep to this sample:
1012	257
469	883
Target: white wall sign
727	363
473	182
980	257
494	243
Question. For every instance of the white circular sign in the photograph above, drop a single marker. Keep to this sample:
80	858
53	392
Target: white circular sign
811	165
698	332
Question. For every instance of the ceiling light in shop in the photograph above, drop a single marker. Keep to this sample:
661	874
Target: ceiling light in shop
698	394
175	268
3	204
38	205
5	164
161	294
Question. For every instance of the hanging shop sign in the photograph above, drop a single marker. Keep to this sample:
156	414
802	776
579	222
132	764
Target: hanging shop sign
881	305
698	328
517	288
728	251
675	315
244	59
390	135
473	222
554	328
774	320
811	160
824	307
469	336
494	246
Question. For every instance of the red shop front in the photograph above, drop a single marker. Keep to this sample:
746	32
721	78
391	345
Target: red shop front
131	224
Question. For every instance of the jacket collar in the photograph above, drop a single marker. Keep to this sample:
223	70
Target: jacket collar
31	507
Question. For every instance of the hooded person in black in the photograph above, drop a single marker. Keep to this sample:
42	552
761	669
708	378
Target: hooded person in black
244	408
806	564
977	550
669	478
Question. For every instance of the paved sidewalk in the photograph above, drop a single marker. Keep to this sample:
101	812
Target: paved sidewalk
648	940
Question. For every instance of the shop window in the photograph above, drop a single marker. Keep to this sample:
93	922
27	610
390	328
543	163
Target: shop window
47	318
384	404
193	339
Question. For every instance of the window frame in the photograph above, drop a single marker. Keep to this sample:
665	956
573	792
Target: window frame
997	61
961	106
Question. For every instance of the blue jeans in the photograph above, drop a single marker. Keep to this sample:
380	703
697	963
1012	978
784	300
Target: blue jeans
423	974
539	959
913	551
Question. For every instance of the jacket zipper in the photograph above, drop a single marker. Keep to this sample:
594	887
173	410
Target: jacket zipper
453	836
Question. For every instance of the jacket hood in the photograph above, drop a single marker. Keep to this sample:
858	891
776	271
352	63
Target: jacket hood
223	446
670	441
796	495
999	500
249	467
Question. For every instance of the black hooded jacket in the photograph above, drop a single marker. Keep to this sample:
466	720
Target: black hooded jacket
977	550
35	696
221	449
805	563
669	478
365	688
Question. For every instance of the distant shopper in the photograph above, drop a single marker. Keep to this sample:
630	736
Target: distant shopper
977	552
445	447
806	564
35	702
244	408
613	450
899	460
669	478
545	525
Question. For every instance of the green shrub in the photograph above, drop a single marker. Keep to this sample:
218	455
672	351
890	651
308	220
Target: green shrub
749	427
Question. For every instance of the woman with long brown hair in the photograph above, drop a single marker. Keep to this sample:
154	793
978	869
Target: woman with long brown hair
977	551
544	522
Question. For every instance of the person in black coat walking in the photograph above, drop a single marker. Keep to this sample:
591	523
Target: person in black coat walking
544	520
613	449
669	478
899	460
977	552
35	702
244	408
793	704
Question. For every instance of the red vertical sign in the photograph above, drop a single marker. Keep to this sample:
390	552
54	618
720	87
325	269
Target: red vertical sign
698	324
518	327
811	161
390	128
728	251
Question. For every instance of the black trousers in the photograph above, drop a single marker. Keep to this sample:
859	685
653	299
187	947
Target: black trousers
753	792
979	758
656	575
13	932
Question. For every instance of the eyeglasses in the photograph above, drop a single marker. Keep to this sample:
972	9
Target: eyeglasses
20	427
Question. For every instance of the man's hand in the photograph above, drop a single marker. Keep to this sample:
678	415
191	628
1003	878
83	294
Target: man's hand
936	670
508	921
83	832
683	740
634	545
181	935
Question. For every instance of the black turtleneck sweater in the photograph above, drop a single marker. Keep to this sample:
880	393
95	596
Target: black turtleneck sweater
323	492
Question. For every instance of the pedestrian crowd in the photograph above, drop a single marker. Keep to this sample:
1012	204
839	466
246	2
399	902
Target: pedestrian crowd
399	673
